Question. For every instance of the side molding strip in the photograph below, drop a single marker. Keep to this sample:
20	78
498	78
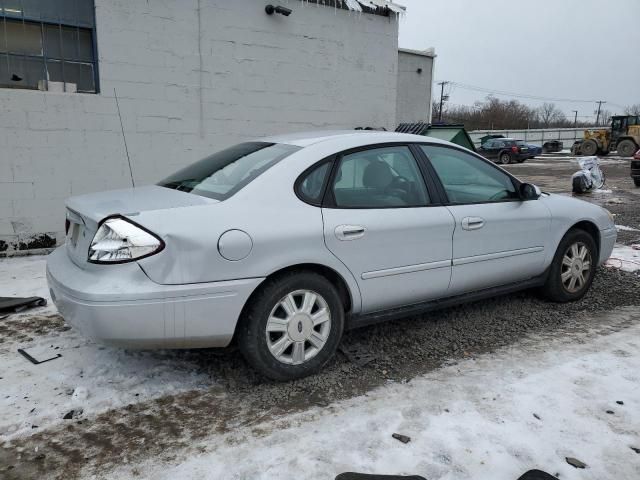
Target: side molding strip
408	269
494	256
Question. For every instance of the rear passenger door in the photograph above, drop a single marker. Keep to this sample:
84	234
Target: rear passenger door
384	221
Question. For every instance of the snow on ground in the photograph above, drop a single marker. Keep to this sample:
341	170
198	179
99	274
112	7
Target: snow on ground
626	258
624	228
101	377
88	377
473	420
26	277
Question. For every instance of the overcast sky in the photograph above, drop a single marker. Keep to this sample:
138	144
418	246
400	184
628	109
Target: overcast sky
570	49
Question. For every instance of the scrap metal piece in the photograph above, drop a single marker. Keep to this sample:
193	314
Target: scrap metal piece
402	438
35	361
18	304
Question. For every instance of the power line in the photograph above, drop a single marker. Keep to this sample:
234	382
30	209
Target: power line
476	88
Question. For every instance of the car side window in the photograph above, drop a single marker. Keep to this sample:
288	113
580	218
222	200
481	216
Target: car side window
467	179
379	178
310	187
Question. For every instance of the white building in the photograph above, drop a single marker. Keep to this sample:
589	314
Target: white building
191	77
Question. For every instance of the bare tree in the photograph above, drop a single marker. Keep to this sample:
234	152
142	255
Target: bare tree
632	109
550	115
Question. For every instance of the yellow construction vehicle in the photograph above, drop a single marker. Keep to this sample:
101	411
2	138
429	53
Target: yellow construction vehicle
623	136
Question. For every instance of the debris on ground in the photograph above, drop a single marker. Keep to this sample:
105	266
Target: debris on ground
357	355
537	475
34	360
72	414
19	304
402	438
367	476
574	462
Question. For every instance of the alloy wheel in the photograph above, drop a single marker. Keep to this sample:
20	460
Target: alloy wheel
576	267
298	327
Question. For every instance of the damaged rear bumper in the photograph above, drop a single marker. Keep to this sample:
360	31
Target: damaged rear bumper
119	305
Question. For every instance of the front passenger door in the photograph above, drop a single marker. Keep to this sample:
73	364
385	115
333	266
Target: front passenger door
499	238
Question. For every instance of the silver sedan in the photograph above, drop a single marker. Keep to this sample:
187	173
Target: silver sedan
282	243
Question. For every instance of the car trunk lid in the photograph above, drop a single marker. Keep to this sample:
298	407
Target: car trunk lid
85	212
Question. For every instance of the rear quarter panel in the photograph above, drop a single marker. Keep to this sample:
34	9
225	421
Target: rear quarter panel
284	231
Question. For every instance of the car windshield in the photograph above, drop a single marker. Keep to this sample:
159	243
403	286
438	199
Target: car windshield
224	173
521	143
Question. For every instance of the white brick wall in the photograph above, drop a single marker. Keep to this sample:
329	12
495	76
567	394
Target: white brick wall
414	89
318	68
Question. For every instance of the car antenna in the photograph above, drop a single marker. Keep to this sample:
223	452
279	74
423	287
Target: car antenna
124	138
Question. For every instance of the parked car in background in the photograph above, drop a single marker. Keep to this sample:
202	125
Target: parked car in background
282	243
552	146
635	168
504	150
534	150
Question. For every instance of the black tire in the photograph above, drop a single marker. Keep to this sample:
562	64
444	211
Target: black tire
589	148
252	330
636	181
626	148
555	289
504	158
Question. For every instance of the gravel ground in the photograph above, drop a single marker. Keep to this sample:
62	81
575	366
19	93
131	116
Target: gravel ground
399	351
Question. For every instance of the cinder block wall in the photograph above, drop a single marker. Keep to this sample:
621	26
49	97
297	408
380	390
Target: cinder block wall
191	76
414	89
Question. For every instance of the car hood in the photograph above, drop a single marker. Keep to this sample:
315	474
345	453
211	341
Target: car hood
132	201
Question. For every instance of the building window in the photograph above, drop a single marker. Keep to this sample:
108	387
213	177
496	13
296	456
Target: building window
48	45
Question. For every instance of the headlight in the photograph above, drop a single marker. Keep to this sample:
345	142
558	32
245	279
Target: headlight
119	240
611	216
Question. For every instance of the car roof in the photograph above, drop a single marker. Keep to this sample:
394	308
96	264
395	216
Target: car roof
364	137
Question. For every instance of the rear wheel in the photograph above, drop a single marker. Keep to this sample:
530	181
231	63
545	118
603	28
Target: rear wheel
589	148
292	326
504	158
573	267
636	181
626	148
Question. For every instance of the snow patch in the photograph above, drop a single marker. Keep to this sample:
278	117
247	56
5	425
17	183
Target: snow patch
489	418
626	258
87	377
26	277
624	228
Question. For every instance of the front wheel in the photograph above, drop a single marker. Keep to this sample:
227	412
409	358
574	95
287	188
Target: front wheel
589	148
504	158
573	267
636	181
626	148
292	326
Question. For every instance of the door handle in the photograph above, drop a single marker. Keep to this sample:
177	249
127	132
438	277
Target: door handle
472	223
349	232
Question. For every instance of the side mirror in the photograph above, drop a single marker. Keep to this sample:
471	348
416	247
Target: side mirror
529	191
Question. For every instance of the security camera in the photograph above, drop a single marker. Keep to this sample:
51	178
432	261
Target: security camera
270	9
283	11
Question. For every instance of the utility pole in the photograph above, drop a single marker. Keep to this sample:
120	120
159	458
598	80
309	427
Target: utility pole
442	84
599	102
575	118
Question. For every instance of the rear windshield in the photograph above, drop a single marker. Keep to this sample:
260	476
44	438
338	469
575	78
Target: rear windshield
224	173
